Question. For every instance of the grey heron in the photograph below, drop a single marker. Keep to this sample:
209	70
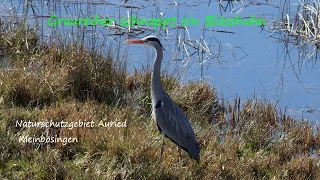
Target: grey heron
171	120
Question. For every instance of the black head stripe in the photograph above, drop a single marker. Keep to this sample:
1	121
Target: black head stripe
154	39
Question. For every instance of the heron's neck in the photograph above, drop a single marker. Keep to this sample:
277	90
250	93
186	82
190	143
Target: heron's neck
156	85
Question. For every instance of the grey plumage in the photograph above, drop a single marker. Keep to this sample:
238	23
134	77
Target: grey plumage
171	120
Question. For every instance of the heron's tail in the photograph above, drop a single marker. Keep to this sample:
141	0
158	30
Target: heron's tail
194	151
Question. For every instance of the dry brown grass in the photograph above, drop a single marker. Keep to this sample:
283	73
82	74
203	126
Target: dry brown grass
248	139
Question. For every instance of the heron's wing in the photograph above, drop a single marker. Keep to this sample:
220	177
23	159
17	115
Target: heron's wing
176	119
175	125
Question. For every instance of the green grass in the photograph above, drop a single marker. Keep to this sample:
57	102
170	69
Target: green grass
248	139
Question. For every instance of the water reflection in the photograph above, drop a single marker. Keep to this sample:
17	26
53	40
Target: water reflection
237	60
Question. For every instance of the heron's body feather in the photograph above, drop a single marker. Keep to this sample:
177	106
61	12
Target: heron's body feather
175	125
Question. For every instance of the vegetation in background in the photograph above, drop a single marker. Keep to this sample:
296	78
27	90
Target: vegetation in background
299	26
250	139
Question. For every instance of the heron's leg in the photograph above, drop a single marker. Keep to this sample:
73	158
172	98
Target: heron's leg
163	136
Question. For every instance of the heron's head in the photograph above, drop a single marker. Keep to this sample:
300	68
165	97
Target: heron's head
148	41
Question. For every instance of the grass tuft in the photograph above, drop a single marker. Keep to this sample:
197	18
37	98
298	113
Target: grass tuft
248	139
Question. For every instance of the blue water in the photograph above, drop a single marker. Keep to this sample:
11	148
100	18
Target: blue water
250	61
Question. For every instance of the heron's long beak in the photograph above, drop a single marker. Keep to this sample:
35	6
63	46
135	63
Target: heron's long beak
135	41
